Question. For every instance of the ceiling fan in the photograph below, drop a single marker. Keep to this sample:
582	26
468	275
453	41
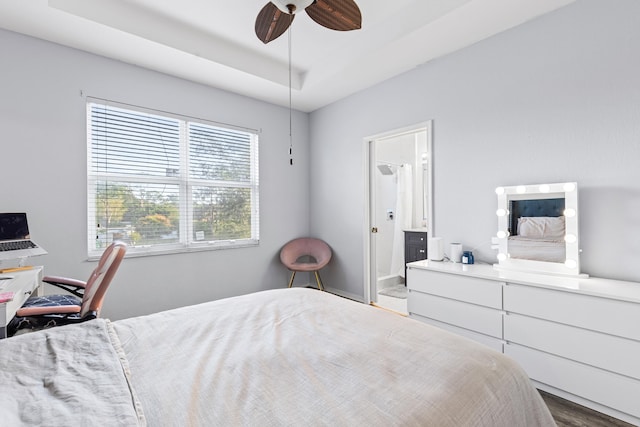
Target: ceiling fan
277	15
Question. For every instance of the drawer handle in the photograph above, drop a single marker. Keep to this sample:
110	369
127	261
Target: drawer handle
27	292
421	251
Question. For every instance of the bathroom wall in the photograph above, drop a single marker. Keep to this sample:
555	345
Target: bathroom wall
395	151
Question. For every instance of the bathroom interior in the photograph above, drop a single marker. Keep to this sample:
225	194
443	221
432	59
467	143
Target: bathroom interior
401	195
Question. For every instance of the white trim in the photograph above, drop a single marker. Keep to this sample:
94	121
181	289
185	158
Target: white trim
343	294
368	159
177	248
430	219
117	104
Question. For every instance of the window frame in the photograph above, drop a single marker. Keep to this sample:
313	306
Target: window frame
184	182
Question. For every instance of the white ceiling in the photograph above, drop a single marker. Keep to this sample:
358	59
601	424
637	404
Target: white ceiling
213	41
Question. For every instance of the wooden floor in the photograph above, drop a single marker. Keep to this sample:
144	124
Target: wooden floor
569	414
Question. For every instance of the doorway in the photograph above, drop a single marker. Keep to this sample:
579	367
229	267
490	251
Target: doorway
399	175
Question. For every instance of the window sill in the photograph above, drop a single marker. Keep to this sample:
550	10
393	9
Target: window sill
144	251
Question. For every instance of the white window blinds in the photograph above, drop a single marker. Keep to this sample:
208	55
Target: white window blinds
167	183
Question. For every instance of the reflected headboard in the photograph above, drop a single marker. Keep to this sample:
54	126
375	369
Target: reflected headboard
534	207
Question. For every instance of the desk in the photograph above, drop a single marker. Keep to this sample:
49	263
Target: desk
23	284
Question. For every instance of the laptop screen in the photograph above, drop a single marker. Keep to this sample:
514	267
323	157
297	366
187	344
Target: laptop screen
13	226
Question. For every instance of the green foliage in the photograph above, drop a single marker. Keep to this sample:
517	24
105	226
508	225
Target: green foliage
153	227
222	213
149	215
135	237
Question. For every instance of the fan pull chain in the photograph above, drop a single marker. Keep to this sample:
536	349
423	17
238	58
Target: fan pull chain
290	107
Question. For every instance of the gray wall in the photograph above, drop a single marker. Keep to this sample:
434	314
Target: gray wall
556	99
43	140
553	100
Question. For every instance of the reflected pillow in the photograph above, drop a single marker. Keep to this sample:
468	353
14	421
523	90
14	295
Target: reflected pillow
539	227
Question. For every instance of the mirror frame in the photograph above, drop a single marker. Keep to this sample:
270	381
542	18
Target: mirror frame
566	190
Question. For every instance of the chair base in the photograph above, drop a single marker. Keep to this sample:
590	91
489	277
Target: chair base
318	280
38	323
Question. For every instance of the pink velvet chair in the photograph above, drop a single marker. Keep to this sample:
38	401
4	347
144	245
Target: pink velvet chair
54	310
306	254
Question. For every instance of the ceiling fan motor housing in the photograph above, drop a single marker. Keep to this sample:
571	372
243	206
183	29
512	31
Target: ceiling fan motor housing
299	5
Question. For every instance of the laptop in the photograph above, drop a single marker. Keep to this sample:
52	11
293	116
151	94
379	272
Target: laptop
15	241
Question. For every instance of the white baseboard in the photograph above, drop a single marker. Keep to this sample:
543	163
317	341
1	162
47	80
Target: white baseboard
348	295
339	292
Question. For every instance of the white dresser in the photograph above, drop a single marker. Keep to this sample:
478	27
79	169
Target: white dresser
576	338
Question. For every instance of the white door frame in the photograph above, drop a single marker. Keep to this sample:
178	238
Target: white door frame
369	183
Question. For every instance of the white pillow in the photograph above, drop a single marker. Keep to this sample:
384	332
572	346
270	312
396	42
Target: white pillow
538	227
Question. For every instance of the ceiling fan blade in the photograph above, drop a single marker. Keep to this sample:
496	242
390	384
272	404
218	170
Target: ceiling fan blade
271	23
340	15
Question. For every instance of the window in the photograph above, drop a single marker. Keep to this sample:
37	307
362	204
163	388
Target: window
166	183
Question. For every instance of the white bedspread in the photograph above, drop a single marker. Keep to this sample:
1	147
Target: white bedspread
537	249
289	357
71	375
300	357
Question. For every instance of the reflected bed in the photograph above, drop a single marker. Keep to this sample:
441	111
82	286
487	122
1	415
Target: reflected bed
537	230
279	357
539	249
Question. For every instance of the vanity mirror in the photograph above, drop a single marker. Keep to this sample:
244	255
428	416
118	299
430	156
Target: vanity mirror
538	228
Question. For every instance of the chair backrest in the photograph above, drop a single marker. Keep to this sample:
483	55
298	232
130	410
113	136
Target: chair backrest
305	246
101	277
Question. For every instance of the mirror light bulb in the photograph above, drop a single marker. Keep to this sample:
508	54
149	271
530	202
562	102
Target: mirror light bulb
569	186
500	191
544	188
569	212
501	257
570	238
501	212
502	234
520	189
571	263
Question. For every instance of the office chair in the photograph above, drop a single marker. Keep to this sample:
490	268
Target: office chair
85	303
305	254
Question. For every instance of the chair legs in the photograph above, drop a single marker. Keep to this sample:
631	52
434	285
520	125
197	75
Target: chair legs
293	274
318	280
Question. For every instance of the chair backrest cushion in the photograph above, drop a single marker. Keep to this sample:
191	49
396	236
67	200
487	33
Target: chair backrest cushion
101	277
305	246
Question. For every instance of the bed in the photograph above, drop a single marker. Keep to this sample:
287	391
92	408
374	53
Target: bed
286	357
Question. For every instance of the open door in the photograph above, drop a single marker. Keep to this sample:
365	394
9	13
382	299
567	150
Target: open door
399	199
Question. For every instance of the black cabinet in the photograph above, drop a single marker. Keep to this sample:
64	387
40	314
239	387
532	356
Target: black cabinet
415	248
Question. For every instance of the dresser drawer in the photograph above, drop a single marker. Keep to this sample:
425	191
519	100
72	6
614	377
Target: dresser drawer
462	288
473	317
610	316
491	342
609	389
608	352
